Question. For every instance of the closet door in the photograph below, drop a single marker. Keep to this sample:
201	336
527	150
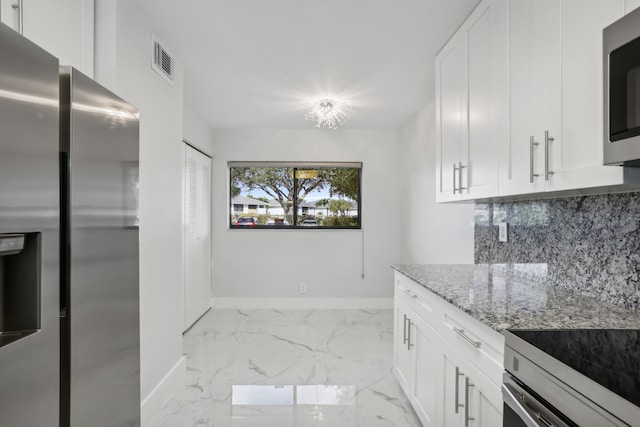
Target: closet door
197	235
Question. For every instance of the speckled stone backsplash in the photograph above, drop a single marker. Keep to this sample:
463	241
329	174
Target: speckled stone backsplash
590	244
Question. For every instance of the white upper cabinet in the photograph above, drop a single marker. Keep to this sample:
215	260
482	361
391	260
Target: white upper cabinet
630	5
532	97
556	96
534	94
451	116
471	78
487	97
578	163
64	28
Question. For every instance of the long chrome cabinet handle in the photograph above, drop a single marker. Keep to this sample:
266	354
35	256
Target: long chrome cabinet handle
409	345
460	332
457	389
455	169
547	140
532	144
460	187
408	292
404	330
467	386
18	7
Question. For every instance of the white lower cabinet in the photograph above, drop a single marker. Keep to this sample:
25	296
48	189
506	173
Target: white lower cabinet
402	366
452	379
425	386
468	397
415	364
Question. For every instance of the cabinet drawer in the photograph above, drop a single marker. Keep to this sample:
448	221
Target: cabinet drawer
477	342
417	298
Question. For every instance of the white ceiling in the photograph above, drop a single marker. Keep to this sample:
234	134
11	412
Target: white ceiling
256	63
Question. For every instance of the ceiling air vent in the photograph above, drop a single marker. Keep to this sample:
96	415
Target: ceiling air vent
163	62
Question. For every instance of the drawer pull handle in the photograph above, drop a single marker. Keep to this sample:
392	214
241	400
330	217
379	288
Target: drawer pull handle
455	168
547	140
17	6
460	332
408	292
460	167
467	418
457	403
404	330
532	144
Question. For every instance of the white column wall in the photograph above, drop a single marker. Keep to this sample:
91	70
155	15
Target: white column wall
197	131
434	233
123	64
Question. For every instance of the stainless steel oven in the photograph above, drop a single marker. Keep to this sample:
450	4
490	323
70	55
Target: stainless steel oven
571	378
621	60
523	408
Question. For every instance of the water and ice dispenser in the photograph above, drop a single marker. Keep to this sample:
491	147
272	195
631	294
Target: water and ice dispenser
19	286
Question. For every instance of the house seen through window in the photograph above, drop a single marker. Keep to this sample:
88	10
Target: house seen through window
295	195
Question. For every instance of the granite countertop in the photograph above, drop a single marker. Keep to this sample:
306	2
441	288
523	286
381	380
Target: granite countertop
517	296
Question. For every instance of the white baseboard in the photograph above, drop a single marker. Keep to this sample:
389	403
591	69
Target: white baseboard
168	387
302	303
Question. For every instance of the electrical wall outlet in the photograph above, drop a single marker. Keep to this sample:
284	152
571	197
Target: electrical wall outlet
303	288
503	232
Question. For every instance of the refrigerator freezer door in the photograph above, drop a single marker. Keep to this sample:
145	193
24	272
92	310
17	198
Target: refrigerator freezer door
102	288
29	205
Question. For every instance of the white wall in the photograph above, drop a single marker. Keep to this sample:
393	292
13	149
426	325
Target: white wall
197	131
273	263
123	55
434	233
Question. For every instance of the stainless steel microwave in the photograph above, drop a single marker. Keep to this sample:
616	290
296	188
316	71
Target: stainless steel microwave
621	54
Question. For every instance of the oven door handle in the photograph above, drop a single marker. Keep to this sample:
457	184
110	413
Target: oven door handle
529	417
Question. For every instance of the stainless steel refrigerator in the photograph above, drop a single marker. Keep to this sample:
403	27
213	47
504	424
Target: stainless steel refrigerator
69	299
99	232
29	238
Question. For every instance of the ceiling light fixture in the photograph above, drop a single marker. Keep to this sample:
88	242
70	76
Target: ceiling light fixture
328	113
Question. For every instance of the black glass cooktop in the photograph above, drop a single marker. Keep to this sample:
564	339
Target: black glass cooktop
610	357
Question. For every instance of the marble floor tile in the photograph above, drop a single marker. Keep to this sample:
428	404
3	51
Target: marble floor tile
312	368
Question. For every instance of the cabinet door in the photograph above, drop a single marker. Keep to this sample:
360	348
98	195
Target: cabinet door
451	399
427	375
451	116
484	399
10	14
631	5
64	28
579	162
486	32
534	92
402	354
468	396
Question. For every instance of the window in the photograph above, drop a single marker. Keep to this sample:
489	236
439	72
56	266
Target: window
295	195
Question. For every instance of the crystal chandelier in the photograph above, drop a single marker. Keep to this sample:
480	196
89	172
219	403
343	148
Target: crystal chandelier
328	113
